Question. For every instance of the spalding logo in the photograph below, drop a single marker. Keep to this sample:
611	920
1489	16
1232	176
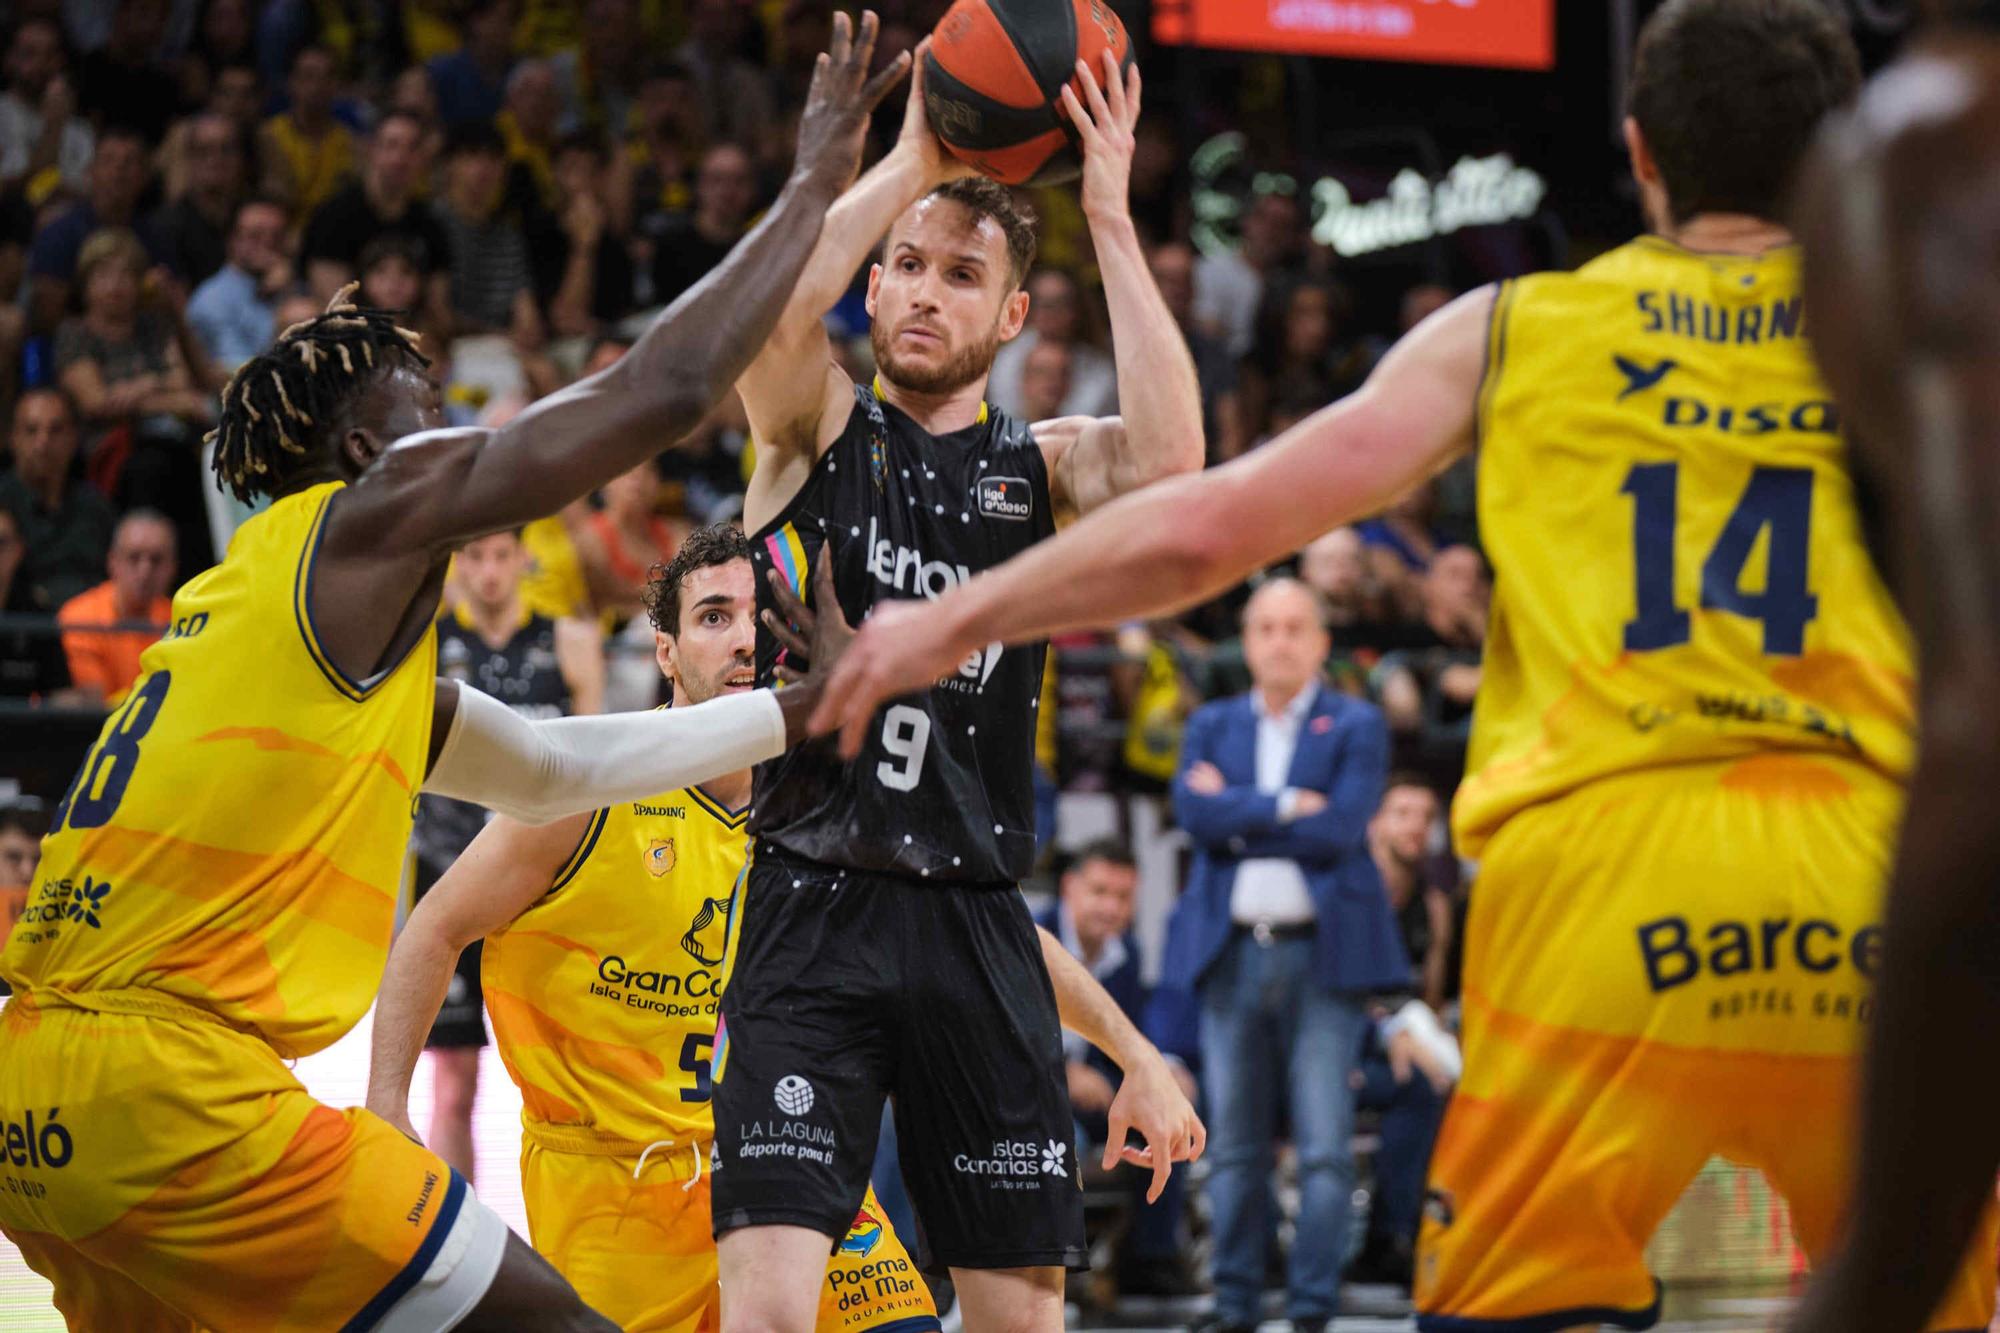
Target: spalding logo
951	118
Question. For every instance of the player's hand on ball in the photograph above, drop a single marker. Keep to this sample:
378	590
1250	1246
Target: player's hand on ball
903	647
835	122
1105	129
918	140
1151	1103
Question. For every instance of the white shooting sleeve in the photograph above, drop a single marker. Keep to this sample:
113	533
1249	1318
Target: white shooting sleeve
536	772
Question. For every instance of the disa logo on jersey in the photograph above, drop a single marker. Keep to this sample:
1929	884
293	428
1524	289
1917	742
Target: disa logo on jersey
1006	497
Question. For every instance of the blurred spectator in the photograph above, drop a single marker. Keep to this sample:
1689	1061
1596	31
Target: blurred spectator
31	662
1229	286
393	277
529	124
44	144
190	234
1401	542
802	29
1421	888
65	521
17	229
413	95
232	312
732	94
122	83
1335	564
1161	190
222	40
233	95
1299	351
1093	919
686	248
471	81
652	178
620	542
598	79
490	287
1427	689
583	271
1420	303
106	628
1055	314
1172	264
304	154
382	203
118	175
1044	381
1282	929
23	825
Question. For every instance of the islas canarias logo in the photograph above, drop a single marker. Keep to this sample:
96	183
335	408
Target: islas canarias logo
863	1236
709	932
660	857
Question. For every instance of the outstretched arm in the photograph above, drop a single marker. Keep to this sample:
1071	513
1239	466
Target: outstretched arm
1186	539
1158	433
444	488
1150	1099
1919	383
504	870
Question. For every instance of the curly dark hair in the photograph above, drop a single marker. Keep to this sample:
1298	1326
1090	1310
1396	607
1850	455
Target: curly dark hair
716	544
282	410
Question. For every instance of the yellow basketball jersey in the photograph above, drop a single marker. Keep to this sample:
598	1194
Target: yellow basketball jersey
1679	569
234	840
603	995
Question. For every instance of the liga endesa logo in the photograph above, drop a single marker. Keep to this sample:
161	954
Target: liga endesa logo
1006	497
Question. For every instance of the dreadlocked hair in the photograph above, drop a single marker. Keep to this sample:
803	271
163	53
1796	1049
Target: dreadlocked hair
304	382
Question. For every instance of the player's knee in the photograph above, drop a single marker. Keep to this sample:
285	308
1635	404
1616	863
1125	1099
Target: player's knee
456	1084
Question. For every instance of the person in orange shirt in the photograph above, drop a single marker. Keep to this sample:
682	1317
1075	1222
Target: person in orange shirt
103	662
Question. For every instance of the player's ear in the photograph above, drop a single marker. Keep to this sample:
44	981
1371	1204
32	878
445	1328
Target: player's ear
359	448
874	286
1013	313
1643	166
663	653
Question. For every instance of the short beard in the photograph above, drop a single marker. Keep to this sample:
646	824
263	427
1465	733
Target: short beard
963	367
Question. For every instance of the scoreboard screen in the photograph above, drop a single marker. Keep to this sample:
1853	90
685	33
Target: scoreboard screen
1512	34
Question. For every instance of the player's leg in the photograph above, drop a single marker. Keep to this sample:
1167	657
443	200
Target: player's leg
801	1071
871	1284
1010	1300
982	1108
455	1040
1579	1120
526	1292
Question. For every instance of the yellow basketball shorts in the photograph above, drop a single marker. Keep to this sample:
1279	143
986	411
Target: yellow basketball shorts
1659	968
641	1250
170	1173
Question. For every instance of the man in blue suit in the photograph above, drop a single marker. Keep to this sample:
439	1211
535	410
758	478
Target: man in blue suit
1282	931
1093	919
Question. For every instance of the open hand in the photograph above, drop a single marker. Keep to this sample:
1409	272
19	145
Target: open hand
904	646
1106	133
842	96
1150	1101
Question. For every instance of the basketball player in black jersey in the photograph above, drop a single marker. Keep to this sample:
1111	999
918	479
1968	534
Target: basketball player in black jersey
1901	225
540	668
883	950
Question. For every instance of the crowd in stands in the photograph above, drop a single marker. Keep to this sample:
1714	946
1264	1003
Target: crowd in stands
527	180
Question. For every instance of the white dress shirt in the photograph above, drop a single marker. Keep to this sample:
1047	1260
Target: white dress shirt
1272	890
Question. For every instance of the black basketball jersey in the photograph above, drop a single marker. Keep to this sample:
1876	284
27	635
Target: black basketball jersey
944	786
523	674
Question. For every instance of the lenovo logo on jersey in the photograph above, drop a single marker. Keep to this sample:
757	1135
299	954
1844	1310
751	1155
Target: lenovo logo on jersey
906	570
1006	497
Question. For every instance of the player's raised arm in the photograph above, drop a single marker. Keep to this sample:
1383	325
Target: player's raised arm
498	876
1894	225
1173	544
447	487
792	391
1158	433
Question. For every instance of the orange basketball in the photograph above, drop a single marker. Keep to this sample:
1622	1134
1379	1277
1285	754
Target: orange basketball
994	76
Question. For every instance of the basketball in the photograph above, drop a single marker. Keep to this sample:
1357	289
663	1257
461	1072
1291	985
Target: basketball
994	76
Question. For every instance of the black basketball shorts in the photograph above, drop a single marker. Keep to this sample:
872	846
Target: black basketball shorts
849	987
